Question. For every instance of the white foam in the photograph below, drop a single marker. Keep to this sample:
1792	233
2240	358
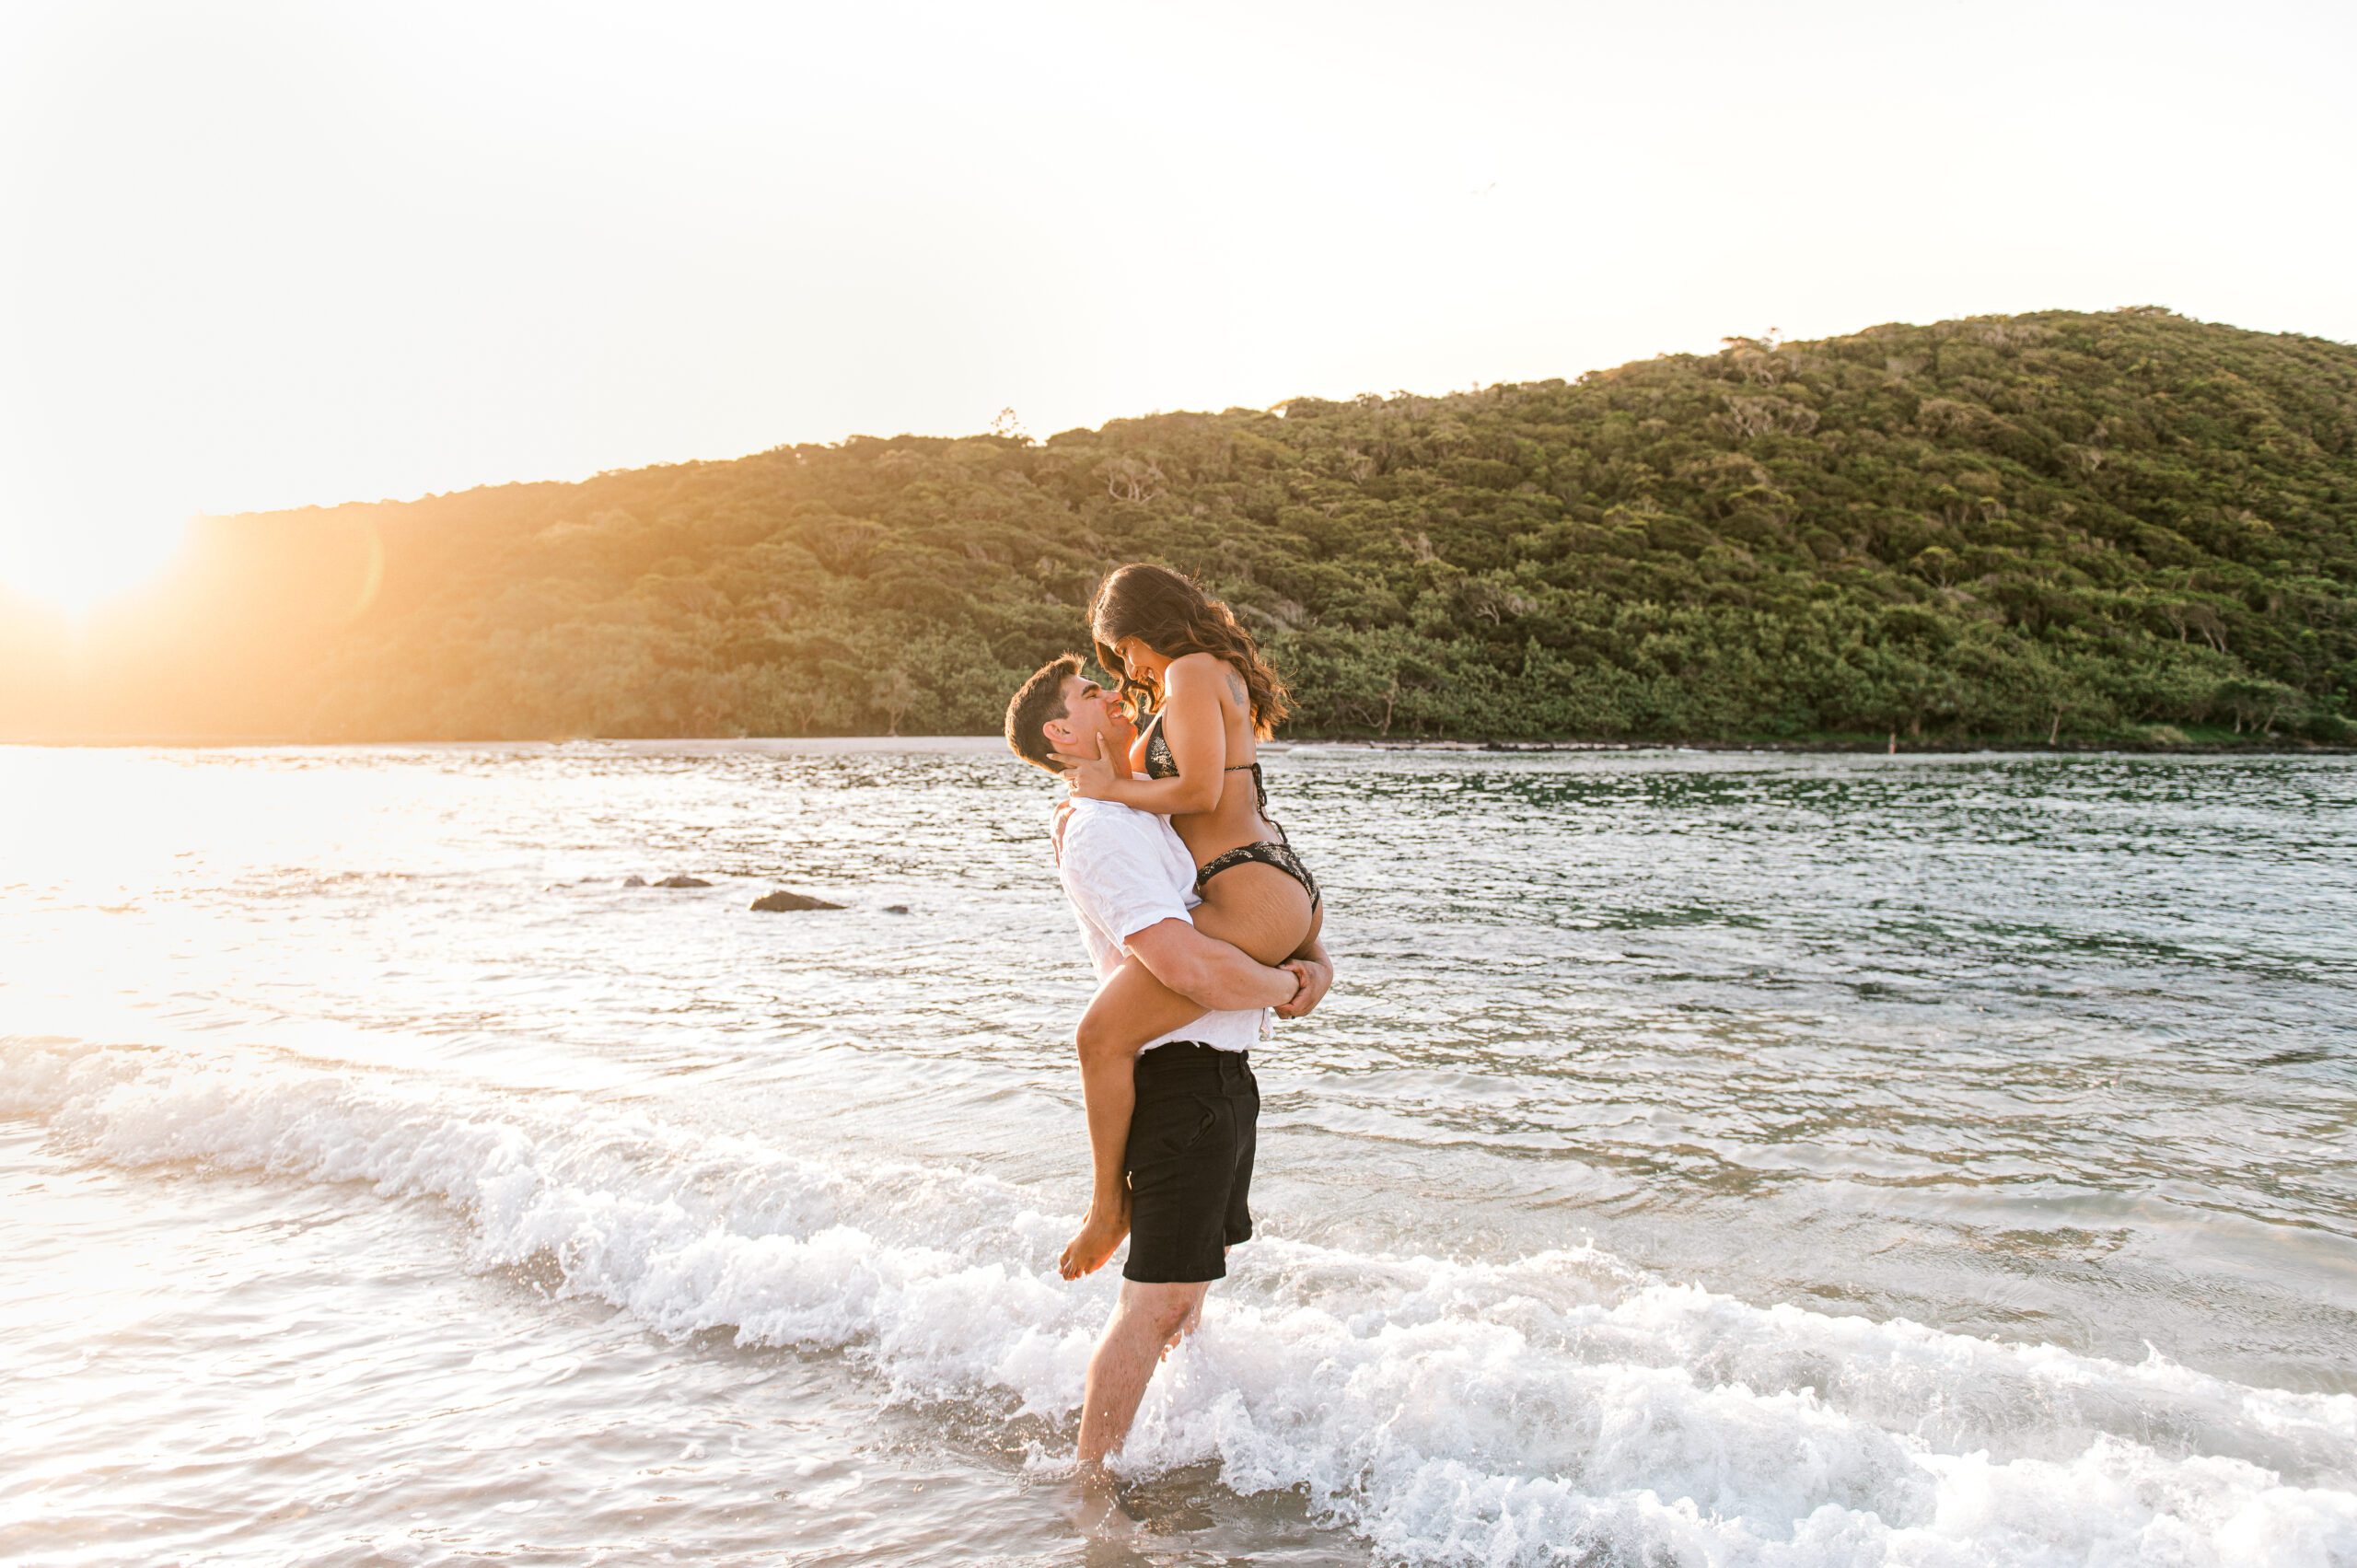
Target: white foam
1540	1409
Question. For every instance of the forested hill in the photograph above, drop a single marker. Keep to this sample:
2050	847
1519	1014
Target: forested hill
2057	525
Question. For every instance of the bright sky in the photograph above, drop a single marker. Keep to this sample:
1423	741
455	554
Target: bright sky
261	255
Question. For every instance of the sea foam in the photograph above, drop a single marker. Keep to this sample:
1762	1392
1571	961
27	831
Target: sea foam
1558	1406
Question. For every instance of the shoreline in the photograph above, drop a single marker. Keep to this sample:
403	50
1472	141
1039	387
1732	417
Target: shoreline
1863	747
2122	746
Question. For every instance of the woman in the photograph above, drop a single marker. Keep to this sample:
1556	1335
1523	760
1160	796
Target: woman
1214	700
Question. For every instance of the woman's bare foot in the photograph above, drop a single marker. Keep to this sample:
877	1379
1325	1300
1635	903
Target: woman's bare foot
1100	1233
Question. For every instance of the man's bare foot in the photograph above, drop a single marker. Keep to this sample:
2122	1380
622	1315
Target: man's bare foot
1096	1508
1087	1252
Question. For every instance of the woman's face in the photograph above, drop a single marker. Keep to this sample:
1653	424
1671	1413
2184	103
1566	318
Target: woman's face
1137	660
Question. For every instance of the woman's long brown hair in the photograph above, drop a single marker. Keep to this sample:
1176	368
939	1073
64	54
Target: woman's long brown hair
1173	617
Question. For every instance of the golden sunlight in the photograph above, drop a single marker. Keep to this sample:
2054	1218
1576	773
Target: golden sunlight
76	566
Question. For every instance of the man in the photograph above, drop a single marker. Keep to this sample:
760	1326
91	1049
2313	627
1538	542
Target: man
1187	1155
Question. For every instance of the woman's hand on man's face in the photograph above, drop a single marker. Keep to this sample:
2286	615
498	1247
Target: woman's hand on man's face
1092	778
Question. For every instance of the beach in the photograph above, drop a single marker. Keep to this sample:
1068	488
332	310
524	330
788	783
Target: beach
1730	1158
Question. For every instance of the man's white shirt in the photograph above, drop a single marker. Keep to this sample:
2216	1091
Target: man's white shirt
1126	870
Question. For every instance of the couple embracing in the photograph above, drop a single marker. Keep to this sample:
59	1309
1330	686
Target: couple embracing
1200	920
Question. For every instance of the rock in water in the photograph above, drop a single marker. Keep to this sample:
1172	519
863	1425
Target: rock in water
896	909
683	882
771	903
633	881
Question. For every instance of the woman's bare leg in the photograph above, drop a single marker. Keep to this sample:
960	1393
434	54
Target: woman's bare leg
1129	1009
1256	908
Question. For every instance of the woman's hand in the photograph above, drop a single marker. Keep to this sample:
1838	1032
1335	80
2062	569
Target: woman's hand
1092	778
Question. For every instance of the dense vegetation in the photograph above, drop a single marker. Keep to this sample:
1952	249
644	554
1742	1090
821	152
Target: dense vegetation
2058	527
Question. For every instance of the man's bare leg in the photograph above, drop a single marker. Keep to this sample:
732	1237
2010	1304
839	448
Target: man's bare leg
1146	1319
1187	1325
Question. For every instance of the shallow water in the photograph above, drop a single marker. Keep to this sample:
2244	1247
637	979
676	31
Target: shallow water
1711	1158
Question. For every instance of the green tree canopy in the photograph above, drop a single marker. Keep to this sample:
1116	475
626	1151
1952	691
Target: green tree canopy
2049	526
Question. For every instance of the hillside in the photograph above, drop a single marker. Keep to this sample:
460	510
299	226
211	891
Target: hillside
2058	526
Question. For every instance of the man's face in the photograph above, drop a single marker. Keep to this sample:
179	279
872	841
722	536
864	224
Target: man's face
1090	711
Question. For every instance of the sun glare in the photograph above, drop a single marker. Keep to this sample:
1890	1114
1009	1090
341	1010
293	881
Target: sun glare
75	570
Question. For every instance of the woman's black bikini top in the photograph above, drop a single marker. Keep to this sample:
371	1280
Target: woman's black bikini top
1161	765
1277	853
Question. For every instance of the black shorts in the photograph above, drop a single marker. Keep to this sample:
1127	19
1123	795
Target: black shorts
1189	1162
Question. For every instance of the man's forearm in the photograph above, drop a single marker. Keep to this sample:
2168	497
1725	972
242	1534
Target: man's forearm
1238	982
1210	972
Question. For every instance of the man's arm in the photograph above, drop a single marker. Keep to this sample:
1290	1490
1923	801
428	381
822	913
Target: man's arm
1206	970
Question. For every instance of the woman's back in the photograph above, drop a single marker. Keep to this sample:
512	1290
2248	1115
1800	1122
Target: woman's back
1208	698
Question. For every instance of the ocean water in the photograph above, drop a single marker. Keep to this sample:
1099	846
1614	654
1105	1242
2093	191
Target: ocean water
1726	1159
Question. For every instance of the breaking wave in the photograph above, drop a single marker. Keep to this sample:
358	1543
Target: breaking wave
1558	1406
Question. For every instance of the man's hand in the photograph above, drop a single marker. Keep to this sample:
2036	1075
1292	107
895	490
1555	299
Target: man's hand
1091	778
1316	978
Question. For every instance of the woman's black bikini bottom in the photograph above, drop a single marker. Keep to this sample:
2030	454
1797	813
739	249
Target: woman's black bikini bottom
1267	852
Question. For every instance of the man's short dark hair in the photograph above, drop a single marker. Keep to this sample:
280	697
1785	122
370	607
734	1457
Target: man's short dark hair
1041	699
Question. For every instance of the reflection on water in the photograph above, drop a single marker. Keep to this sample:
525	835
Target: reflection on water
2012	1075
